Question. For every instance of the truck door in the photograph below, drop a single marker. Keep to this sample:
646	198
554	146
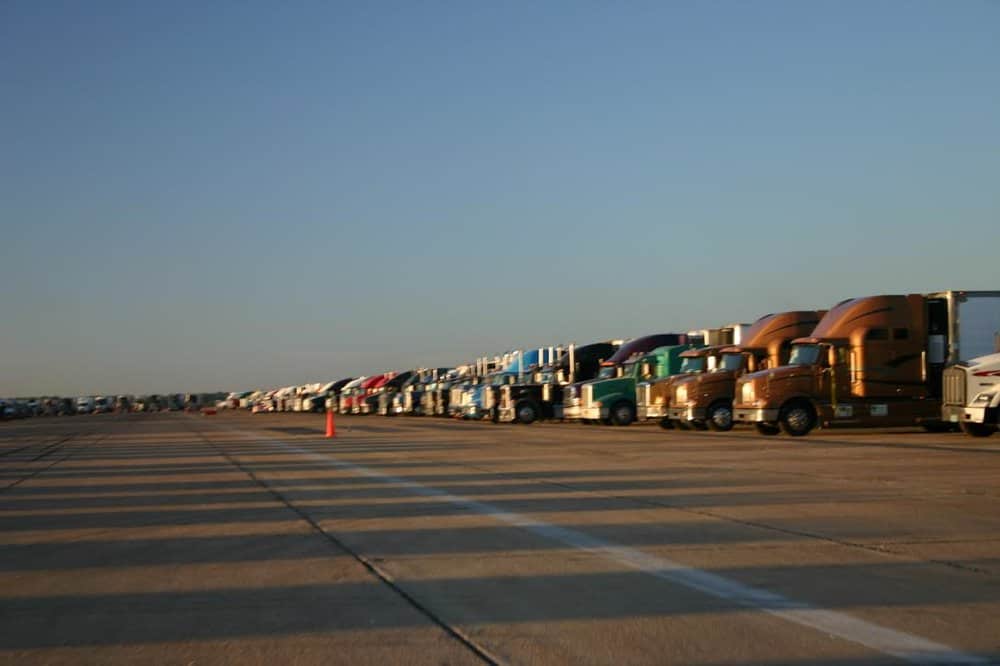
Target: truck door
937	343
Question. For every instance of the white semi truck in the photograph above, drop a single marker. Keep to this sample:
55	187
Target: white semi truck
972	394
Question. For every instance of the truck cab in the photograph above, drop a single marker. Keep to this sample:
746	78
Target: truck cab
368	404
349	394
542	397
653	397
971	394
876	361
704	398
392	389
485	396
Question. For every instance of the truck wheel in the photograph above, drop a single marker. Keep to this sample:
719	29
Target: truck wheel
526	412
666	424
797	418
977	429
767	429
622	414
720	416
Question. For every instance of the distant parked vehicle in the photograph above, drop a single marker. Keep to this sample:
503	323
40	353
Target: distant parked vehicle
84	405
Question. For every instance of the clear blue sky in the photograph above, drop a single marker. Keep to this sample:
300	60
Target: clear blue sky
200	196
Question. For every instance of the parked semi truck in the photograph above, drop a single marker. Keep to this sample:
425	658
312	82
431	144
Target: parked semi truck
349	394
873	361
611	397
704	399
413	398
653	397
971	394
369	401
542	397
485	399
393	386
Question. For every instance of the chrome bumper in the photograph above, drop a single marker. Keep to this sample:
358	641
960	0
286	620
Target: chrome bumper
686	413
963	414
755	415
646	412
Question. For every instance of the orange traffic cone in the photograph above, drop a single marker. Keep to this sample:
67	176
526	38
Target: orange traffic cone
331	430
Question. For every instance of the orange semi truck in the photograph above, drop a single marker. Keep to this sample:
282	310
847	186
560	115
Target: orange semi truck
705	400
871	362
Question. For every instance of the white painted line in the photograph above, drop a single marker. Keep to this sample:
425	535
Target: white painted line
902	645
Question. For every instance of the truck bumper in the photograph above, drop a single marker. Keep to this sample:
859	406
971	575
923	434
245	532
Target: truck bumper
961	413
647	412
474	412
755	415
686	413
571	412
594	413
505	414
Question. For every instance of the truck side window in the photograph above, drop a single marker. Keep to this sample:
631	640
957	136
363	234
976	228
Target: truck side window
877	334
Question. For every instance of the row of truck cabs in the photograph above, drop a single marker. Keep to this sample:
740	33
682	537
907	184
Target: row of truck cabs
930	360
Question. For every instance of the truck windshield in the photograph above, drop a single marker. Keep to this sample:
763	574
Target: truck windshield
608	372
693	364
804	355
731	362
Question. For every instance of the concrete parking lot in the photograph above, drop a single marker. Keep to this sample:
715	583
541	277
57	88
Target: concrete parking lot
187	539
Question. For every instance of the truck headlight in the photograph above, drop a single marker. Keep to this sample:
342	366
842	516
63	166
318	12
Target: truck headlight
983	397
681	394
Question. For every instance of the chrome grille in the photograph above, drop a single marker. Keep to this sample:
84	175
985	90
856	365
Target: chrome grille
505	397
642	394
953	391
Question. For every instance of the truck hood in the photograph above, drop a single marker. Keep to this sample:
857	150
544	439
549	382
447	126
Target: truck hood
707	378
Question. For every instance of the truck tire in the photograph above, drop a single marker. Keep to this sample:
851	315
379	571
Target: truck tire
719	416
797	418
766	429
978	429
622	413
526	412
666	424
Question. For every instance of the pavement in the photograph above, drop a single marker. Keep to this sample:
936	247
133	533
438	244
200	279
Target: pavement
242	539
